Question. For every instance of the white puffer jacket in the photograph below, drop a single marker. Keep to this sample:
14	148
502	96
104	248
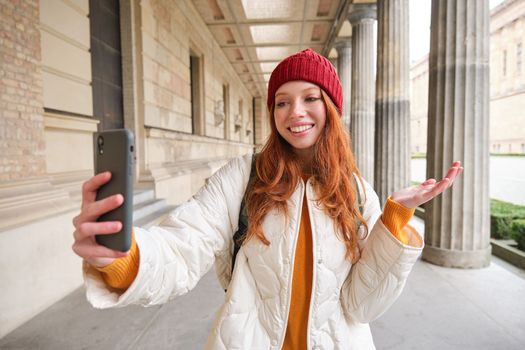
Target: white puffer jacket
254	315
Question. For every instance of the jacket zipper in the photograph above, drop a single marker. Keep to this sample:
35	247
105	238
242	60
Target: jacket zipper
314	271
290	278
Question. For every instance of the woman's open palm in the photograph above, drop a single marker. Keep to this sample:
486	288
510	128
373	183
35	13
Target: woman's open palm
412	197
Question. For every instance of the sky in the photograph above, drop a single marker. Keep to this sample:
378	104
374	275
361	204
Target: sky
420	27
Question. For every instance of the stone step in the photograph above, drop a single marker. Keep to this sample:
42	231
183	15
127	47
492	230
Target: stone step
155	218
142	196
147	208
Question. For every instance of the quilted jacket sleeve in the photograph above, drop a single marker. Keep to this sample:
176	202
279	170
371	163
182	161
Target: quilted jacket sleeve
176	254
378	277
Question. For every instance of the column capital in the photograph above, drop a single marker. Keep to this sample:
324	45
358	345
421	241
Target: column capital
360	12
343	42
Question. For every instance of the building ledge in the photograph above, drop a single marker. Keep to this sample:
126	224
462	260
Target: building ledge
504	250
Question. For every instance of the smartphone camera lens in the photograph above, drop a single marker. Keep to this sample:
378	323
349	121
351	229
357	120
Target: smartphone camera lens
100	142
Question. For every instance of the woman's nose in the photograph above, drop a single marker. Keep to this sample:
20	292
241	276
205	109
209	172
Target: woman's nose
298	109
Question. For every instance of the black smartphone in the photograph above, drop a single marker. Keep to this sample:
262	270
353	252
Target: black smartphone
114	152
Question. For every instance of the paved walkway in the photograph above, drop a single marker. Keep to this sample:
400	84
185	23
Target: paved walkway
440	308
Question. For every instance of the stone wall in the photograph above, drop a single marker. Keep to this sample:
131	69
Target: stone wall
172	32
22	143
262	122
507	35
507	124
172	38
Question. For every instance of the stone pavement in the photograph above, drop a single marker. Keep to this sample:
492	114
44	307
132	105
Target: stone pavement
440	308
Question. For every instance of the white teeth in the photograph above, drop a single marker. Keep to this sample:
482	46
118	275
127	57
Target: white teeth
301	128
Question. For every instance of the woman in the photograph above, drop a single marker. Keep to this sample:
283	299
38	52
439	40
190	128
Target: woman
316	265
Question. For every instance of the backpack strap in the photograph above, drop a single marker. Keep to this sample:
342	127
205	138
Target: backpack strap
358	202
240	234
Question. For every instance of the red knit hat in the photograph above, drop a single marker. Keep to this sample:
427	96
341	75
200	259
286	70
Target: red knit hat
309	66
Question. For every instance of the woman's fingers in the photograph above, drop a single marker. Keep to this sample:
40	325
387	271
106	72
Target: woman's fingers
452	173
94	210
91	251
90	229
460	170
453	170
86	226
434	190
448	180
428	182
457	169
87	248
90	187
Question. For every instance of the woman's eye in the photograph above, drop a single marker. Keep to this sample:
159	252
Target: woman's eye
280	104
312	99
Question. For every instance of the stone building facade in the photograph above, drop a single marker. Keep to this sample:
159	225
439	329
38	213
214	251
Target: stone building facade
418	106
507	78
507	84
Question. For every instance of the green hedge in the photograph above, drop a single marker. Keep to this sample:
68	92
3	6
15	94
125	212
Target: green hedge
502	214
518	233
507	154
418	155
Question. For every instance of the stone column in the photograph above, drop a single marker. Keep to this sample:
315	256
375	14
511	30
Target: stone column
362	17
333	60
343	46
392	108
457	223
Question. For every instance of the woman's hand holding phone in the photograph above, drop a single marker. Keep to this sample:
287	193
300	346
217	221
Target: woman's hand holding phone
86	225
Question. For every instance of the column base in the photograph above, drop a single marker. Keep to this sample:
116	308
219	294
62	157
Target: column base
455	258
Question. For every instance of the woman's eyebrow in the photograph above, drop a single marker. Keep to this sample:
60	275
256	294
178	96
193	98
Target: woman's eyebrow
315	89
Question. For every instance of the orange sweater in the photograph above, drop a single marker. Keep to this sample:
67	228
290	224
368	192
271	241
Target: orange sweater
121	273
301	285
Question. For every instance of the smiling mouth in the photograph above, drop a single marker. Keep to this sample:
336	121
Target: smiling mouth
299	129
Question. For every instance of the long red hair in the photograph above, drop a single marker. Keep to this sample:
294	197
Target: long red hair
278	173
